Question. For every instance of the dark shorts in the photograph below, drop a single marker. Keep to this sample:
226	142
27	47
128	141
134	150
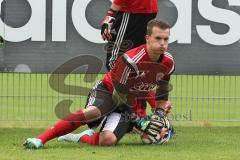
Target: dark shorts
101	98
128	32
117	120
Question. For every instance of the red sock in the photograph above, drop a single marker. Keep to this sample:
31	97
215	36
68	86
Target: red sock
93	139
62	127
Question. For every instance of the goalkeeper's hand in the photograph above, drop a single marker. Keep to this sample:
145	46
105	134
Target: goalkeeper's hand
107	24
152	126
161	119
159	114
148	127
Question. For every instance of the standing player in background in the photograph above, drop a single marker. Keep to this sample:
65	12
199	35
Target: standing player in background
124	26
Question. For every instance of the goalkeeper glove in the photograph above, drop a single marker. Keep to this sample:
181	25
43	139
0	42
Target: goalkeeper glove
107	24
150	127
159	116
160	112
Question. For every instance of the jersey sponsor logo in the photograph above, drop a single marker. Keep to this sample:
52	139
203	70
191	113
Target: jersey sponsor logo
144	87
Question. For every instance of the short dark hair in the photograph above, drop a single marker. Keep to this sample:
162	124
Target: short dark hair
157	23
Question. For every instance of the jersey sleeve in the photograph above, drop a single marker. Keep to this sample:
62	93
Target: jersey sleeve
120	2
120	73
162	92
167	77
165	87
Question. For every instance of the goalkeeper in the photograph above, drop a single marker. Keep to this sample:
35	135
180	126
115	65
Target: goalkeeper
137	73
123	20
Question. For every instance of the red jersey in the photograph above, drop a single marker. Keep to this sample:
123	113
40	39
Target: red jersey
137	6
138	74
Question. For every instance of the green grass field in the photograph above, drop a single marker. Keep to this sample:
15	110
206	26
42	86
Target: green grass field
206	115
200	143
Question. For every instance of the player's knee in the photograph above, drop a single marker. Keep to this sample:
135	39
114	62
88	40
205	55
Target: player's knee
107	138
91	113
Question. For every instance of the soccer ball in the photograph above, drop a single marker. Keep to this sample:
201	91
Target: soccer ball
161	138
149	139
